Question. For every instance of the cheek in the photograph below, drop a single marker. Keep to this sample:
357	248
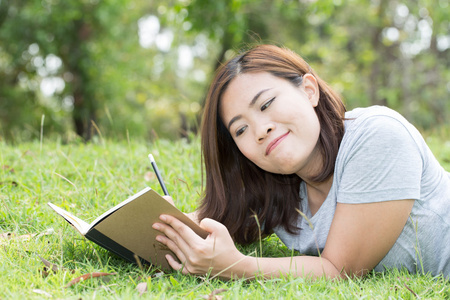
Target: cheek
245	149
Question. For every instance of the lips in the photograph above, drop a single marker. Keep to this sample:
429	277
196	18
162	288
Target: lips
275	143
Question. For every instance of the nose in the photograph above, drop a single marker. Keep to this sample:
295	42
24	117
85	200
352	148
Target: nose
264	131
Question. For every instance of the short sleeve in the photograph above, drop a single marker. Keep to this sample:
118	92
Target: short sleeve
380	161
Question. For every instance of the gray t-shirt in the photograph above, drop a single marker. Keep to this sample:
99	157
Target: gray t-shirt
382	157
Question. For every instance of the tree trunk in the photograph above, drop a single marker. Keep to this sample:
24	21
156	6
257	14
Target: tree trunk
84	112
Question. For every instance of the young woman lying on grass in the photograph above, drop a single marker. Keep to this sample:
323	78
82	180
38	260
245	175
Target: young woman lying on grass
354	191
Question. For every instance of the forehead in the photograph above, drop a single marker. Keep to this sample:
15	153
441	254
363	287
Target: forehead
248	84
244	87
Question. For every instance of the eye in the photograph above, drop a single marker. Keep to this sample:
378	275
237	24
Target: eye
240	131
267	104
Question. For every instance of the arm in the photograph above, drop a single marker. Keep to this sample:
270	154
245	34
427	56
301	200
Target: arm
360	236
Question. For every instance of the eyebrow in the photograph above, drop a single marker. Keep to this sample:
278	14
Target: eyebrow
255	98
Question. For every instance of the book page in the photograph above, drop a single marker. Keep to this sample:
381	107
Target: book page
79	224
121	204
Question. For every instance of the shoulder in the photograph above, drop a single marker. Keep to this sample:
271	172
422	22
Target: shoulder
373	116
380	125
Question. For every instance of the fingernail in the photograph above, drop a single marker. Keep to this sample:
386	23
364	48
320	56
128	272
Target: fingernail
156	226
163	218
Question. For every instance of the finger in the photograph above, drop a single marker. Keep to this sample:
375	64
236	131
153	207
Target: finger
211	225
169	199
172	246
183	231
216	229
176	265
172	240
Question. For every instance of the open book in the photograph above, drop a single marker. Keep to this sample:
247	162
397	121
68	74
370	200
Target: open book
126	229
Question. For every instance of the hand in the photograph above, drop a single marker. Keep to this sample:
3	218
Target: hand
216	254
169	199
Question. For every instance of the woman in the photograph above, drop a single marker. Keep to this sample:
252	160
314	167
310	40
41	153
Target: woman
354	191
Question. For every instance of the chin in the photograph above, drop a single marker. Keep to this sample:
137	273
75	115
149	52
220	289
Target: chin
282	171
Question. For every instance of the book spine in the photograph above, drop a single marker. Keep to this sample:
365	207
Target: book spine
110	245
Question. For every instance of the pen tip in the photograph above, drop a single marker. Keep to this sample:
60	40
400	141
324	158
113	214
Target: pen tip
151	158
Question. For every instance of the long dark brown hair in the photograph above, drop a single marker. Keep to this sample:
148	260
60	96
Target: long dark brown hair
238	193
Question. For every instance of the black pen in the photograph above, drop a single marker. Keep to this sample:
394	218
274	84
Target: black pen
158	175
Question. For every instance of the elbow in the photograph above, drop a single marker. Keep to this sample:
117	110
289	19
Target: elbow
333	270
330	269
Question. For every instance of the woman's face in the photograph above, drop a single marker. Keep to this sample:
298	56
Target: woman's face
273	122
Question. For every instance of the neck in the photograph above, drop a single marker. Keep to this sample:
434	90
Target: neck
321	187
313	166
317	193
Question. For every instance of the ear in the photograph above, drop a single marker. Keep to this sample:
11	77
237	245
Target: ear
311	88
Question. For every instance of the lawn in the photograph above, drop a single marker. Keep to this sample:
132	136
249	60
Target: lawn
88	179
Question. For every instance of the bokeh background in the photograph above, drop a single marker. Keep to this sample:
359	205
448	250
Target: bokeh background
76	69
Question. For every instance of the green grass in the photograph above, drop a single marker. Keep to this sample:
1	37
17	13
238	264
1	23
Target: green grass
87	179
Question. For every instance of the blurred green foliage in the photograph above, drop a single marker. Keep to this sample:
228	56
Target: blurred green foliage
141	68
